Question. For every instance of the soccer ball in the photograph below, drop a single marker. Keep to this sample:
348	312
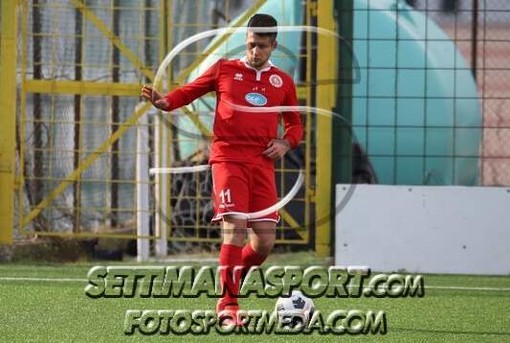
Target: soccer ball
294	310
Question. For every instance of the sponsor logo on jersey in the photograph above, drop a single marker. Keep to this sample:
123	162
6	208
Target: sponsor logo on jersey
256	99
238	77
276	80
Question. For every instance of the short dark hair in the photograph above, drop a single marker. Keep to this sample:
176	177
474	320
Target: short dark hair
264	20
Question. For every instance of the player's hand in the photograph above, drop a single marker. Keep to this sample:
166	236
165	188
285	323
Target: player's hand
277	148
155	97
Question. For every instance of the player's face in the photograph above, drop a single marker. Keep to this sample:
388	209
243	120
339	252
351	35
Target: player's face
258	49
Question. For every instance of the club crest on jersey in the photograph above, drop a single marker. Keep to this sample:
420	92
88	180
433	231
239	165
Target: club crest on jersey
276	80
256	99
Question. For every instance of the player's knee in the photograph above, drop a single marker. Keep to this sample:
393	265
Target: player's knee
234	239
234	231
263	248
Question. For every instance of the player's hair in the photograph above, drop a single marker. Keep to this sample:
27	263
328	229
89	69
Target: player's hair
264	20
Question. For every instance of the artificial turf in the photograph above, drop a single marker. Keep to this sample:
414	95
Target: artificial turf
47	303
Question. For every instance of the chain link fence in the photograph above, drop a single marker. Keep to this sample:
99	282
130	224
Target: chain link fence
481	30
82	64
59	129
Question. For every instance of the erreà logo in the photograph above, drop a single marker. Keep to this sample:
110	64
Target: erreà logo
256	99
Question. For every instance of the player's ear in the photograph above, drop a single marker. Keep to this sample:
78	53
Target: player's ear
275	44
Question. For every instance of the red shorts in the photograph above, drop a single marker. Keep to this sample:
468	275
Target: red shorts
243	188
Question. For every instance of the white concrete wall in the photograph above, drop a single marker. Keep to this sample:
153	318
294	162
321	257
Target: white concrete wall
464	230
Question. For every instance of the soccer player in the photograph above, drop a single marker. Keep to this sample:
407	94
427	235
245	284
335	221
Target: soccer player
244	146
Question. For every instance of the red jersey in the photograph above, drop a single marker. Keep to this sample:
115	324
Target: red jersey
242	136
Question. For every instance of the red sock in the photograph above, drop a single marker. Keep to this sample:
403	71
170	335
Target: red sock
251	258
230	276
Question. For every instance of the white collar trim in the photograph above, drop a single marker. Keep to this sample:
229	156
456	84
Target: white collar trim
259	72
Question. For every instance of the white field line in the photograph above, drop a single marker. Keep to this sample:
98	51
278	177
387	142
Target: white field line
460	288
39	279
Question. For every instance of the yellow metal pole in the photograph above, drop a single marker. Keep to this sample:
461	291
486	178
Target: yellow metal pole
23	115
325	100
8	67
308	95
81	87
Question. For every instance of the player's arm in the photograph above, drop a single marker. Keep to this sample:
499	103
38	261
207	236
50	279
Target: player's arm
293	127
156	98
184	95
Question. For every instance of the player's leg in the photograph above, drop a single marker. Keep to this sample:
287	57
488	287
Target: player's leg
263	230
230	198
230	261
261	243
